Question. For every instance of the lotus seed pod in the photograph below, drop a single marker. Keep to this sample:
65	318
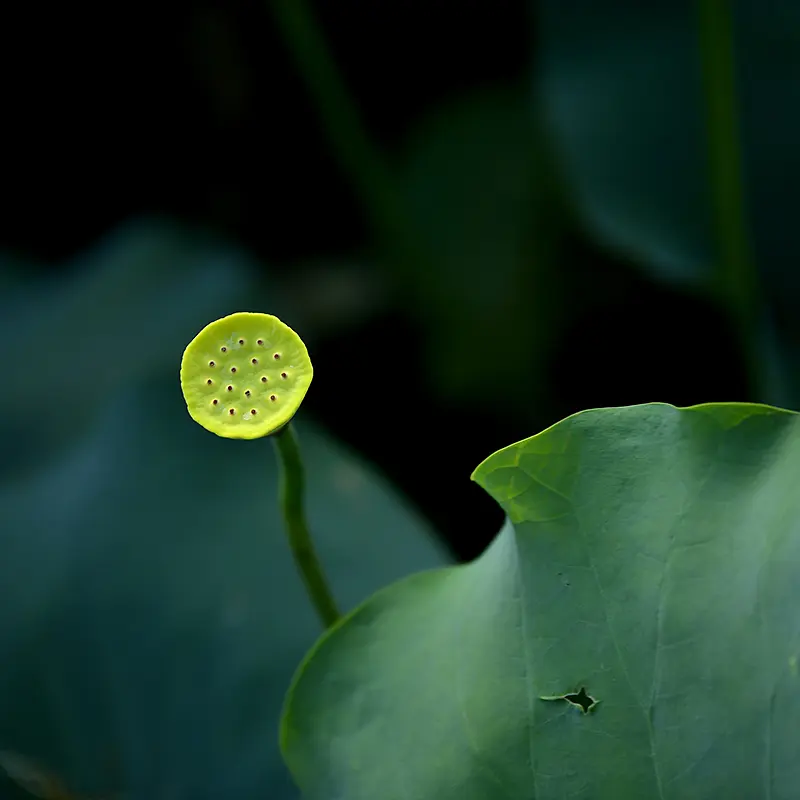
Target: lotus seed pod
245	375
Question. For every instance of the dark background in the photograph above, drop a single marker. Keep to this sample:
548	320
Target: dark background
481	217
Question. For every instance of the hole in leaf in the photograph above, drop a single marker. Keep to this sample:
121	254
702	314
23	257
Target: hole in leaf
580	699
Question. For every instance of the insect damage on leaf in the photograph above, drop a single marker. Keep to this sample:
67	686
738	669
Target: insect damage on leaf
581	699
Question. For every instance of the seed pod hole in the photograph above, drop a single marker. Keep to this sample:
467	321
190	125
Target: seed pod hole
273	398
253	411
230	388
247	393
223	349
254	361
233	369
212	363
284	375
215	401
277	356
263	379
241	341
260	342
231	411
209	382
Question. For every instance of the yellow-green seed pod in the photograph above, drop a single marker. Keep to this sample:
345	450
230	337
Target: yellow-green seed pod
245	375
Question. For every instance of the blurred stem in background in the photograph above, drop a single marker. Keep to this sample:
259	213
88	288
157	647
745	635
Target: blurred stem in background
357	154
736	276
291	491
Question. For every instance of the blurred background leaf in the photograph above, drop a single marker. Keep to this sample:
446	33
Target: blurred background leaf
481	193
152	617
122	311
625	96
621	85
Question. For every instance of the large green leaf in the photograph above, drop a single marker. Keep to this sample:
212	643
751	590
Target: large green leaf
650	558
151	614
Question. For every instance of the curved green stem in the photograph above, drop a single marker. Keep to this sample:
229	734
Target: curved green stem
292	486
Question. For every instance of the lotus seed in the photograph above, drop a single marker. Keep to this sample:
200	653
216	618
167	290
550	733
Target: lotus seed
230	388
247	393
212	364
209	382
241	341
223	349
231	411
276	356
263	379
253	411
273	398
283	375
215	401
254	361
233	369
260	341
